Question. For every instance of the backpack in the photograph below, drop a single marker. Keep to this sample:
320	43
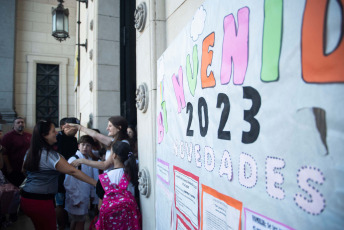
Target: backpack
119	209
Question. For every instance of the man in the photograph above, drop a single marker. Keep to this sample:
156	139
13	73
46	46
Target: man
15	144
67	145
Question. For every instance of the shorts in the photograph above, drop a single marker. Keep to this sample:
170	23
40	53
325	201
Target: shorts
77	218
60	199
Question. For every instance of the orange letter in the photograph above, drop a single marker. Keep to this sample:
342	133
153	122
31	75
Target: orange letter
318	67
207	57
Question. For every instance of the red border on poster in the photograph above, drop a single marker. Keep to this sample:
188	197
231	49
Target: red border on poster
227	199
183	222
196	178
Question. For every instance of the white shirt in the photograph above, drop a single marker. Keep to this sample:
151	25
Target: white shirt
115	177
77	191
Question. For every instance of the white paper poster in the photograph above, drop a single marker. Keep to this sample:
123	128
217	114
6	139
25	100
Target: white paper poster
186	195
219	211
181	225
255	221
162	171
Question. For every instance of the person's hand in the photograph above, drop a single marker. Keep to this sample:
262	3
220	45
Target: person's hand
70	129
76	162
77	205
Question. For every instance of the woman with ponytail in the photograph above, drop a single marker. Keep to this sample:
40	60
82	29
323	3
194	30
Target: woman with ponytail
43	165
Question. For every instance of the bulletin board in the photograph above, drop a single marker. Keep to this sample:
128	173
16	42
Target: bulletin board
250	128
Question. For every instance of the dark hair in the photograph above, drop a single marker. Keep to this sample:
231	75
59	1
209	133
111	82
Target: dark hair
122	149
38	143
86	139
73	120
16	118
97	130
122	124
63	121
133	141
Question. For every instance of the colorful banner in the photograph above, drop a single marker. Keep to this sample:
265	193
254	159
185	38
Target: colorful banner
250	101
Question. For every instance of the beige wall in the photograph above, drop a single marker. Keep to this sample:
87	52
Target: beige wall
34	42
102	70
164	21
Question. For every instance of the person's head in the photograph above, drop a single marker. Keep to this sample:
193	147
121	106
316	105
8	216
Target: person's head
43	137
85	145
131	131
44	134
117	127
121	152
19	124
63	122
72	130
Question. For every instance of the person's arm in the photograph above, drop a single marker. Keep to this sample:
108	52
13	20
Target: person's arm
100	137
63	167
8	164
1	159
100	202
103	165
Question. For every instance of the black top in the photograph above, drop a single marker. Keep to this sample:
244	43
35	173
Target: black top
67	147
99	190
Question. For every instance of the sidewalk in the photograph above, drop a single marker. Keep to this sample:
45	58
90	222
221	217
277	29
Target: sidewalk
24	223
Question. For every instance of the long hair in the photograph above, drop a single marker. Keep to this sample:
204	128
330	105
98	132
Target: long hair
122	150
122	124
38	142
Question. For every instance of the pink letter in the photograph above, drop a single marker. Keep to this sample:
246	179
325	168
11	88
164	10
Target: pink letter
235	47
160	128
179	89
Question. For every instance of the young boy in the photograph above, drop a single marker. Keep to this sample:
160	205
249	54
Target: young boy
78	193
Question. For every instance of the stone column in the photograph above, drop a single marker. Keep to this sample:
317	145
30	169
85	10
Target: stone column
7	59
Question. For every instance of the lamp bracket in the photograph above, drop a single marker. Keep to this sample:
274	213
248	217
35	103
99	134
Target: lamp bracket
84	1
84	45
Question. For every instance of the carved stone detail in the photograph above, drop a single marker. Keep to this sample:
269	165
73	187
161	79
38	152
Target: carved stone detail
140	16
142	97
144	182
91	25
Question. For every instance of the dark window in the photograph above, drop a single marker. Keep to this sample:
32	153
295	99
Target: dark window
47	93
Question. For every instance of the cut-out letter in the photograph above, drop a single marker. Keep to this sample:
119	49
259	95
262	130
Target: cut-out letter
235	47
207	58
318	67
179	89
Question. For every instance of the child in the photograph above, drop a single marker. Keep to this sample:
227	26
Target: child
78	193
116	190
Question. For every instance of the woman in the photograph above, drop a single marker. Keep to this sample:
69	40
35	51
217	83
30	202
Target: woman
43	166
117	131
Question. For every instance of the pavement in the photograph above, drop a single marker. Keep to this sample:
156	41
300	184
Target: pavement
24	223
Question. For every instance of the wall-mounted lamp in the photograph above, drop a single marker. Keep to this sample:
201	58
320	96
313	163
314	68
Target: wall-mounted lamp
60	22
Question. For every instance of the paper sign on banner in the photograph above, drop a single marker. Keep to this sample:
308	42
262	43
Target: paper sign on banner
162	171
181	225
186	195
255	221
219	211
